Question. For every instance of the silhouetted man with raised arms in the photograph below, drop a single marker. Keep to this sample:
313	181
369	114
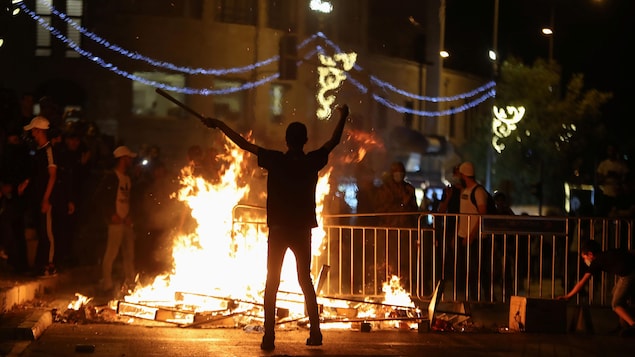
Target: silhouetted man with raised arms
291	185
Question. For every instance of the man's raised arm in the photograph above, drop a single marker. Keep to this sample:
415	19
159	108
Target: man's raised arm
339	128
232	135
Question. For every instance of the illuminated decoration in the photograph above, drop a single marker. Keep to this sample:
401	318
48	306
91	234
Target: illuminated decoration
487	88
504	123
439	113
324	7
402	109
462	96
330	78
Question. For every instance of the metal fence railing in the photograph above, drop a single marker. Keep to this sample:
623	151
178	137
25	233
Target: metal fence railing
529	256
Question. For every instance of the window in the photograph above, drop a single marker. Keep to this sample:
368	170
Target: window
74	9
243	12
228	106
145	101
43	36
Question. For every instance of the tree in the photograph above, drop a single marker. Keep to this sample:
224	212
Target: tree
556	130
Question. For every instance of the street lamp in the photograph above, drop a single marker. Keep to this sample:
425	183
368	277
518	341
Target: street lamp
324	7
548	31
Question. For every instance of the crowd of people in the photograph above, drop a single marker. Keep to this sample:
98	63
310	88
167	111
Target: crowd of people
72	196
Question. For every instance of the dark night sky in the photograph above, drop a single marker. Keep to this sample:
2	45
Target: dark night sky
593	37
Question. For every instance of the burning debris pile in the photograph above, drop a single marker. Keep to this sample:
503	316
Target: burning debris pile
217	277
195	310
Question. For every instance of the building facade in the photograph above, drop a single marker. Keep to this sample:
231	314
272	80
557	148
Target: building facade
106	58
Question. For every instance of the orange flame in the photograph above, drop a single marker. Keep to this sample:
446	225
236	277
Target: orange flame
359	144
226	254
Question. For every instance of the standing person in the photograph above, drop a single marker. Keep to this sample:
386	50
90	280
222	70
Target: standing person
450	205
114	194
70	177
619	262
611	176
14	169
38	189
468	231
291	184
397	195
505	251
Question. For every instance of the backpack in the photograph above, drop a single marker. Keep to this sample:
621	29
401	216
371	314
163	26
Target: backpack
491	204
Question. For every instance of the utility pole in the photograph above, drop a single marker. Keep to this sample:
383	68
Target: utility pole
494	57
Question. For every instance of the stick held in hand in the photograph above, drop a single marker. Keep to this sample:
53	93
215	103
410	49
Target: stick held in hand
204	119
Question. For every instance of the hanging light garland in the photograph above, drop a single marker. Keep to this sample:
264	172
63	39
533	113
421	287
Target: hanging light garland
158	63
487	88
111	67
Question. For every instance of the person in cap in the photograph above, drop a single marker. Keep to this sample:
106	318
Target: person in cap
291	186
113	192
468	231
38	190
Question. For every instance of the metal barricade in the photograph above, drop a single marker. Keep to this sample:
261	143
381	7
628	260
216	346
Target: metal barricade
513	255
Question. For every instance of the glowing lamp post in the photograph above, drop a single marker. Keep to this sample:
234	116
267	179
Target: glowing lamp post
548	32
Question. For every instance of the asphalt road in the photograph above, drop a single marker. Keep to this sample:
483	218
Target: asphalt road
112	335
135	340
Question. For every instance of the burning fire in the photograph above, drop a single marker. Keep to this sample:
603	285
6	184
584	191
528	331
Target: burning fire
222	264
360	143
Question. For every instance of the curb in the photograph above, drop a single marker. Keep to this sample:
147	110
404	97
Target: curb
24	292
30	329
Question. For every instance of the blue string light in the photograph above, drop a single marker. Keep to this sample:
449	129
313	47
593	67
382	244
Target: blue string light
386	85
157	63
109	66
362	88
401	109
470	94
466	106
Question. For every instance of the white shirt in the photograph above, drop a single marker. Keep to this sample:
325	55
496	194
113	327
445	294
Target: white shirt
467	207
123	195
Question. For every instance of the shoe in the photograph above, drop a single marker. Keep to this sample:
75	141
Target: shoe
628	331
49	270
267	343
315	339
